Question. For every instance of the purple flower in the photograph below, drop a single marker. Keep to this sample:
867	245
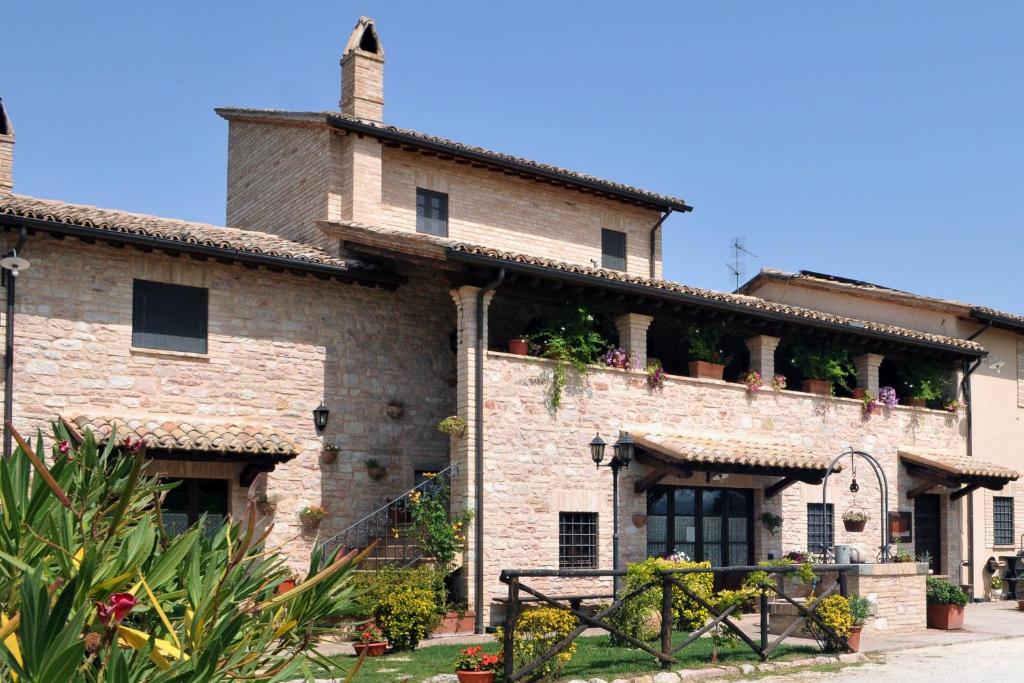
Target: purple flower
887	396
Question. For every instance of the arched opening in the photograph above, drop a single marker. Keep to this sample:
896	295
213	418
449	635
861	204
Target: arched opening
368	41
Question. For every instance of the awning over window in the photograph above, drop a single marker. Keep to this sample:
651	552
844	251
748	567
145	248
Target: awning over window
682	455
959	472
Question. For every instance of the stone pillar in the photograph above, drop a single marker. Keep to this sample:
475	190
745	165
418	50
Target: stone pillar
762	355
633	336
867	371
463	451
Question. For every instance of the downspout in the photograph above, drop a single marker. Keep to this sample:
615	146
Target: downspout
965	389
654	250
11	280
478	428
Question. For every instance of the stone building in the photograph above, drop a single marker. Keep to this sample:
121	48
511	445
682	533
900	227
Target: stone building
380	272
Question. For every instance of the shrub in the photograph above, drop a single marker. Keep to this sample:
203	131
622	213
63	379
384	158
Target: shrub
942	592
406	615
835	612
924	380
537	630
572	342
371	587
825	362
638	617
705	342
860	609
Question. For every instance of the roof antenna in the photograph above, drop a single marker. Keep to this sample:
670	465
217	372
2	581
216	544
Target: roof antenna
738	268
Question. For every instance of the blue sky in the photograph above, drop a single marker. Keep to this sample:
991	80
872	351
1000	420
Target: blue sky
877	140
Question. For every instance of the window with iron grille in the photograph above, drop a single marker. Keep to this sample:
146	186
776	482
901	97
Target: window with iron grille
577	540
169	317
613	249
1002	520
431	212
821	531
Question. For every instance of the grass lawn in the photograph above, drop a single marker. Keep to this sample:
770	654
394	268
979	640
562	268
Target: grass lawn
595	658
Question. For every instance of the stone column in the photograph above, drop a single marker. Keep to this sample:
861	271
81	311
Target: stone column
867	371
463	450
633	336
762	355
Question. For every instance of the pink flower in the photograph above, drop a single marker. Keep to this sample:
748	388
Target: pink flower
132	446
64	447
117	607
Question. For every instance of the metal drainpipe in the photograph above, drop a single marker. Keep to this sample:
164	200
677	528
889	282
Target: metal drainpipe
481	348
11	281
965	388
654	230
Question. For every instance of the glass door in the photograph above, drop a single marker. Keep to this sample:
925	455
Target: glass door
713	525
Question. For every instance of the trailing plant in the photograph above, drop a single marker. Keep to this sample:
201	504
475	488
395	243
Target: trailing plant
655	374
312	514
925	380
772	522
95	590
618	357
855	515
705	343
453	425
634	617
834	611
860	610
439	534
753	381
537	629
955	406
406	615
869	402
941	592
572	342
779	382
887	396
824	362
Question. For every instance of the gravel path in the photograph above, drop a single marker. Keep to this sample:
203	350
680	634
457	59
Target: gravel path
990	660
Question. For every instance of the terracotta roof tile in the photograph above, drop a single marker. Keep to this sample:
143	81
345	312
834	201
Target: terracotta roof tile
706	450
958	465
193	436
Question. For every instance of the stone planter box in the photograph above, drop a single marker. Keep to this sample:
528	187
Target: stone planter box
705	370
456	622
817	386
946	617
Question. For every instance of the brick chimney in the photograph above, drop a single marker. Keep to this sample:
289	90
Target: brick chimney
362	73
6	150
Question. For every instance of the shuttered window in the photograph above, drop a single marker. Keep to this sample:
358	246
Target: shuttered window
613	249
431	212
821	531
169	317
1002	520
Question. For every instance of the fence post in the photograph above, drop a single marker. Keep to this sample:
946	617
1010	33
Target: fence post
511	616
764	620
666	617
843	591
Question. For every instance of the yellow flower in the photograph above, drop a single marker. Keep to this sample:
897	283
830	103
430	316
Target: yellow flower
395	532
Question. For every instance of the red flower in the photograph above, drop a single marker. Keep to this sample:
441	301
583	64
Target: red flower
131	445
117	607
64	447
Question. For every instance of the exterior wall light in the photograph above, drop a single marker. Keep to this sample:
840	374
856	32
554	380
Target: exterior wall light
320	415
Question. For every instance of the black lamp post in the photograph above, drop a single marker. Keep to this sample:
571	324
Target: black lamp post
320	414
622	453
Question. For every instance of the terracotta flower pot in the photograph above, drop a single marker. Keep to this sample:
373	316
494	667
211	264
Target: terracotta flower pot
705	370
854	525
371	649
853	640
329	457
475	676
520	347
376	473
859	393
1020	605
915	402
946	617
817	386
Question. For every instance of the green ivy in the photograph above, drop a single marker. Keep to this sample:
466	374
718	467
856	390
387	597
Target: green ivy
573	342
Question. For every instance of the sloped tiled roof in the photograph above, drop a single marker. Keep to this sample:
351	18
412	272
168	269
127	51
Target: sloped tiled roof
704	450
192	436
172	231
958	465
413	137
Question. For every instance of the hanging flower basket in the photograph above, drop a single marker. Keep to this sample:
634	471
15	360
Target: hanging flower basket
855	518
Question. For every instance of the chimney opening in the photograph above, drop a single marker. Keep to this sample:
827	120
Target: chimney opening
368	42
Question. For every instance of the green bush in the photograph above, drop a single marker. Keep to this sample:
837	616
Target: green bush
537	629
860	609
824	362
371	586
406	615
639	617
942	592
924	380
835	612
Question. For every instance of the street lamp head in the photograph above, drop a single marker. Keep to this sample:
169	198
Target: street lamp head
597	449
624	448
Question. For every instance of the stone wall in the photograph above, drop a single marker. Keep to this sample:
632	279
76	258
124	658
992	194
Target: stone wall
278	343
896	593
537	461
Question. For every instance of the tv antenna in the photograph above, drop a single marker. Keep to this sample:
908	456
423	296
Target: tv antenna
738	268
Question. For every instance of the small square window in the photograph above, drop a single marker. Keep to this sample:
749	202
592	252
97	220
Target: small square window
169	317
821	530
577	540
431	212
1002	520
613	249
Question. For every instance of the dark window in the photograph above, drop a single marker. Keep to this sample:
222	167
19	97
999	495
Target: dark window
1002	520
613	249
190	500
169	317
432	212
703	524
577	540
821	530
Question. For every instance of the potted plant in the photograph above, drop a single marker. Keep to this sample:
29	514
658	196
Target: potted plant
708	360
473	665
772	522
266	505
854	519
753	381
312	515
945	604
520	346
860	610
996	583
887	397
655	374
371	641
376	470
823	367
924	382
573	341
453	425
395	409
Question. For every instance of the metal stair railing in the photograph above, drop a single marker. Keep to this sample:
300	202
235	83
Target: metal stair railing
388	524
